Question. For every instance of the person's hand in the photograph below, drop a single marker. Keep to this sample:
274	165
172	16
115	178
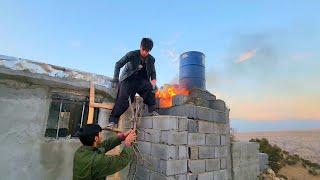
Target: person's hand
154	83
127	133
131	137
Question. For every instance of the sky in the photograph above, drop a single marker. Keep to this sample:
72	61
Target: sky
262	57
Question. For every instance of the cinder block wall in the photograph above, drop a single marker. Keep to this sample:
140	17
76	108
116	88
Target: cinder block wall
192	143
245	160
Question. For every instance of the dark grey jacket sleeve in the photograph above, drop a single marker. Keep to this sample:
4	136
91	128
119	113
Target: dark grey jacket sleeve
120	64
153	70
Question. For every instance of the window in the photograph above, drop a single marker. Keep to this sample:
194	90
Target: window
67	114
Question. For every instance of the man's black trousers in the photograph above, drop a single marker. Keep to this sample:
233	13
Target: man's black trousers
128	88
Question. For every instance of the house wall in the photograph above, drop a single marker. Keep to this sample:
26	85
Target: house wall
24	152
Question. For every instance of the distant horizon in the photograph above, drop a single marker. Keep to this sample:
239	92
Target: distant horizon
243	126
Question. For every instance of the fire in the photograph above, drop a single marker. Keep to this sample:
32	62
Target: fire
167	92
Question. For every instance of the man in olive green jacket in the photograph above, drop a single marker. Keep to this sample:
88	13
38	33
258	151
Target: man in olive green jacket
90	161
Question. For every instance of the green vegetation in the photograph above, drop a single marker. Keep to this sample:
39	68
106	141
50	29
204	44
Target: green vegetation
279	158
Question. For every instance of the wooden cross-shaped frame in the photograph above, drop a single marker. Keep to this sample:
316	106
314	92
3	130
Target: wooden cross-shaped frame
93	105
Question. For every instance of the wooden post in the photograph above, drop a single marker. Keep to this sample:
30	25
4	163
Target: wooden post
91	101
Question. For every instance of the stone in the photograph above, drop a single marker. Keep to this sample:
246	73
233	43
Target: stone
173	167
165	122
174	137
163	151
196	139
196	166
193	152
206	152
152	135
212	164
205	176
212	139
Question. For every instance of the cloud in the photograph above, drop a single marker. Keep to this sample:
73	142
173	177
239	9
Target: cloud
246	56
173	56
75	44
172	40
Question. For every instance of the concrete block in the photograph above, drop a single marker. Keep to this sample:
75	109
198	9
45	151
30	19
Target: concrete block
174	137
222	128
223	140
263	161
220	175
152	135
206	127
218	105
223	163
163	151
151	162
179	100
206	152
204	113
191	176
205	176
181	177
145	122
144	147
183	152
196	139
186	110
193	126
196	166
198	101
212	139
212	164
140	136
159	176
165	122
183	124
173	167
193	152
221	151
142	173
201	93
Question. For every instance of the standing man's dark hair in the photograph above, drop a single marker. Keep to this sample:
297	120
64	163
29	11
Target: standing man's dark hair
147	44
138	76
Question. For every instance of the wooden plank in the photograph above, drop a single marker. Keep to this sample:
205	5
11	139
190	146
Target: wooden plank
91	101
103	105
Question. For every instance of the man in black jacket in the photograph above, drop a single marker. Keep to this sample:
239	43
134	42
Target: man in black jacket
138	76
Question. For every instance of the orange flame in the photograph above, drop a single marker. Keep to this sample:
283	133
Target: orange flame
167	92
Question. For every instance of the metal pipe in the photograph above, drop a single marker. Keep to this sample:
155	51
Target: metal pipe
57	135
82	115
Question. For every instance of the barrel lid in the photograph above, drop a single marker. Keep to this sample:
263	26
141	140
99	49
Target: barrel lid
185	54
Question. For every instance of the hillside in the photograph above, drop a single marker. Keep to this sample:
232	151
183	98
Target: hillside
304	143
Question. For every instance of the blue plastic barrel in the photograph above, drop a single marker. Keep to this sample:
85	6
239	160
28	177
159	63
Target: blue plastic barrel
192	70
